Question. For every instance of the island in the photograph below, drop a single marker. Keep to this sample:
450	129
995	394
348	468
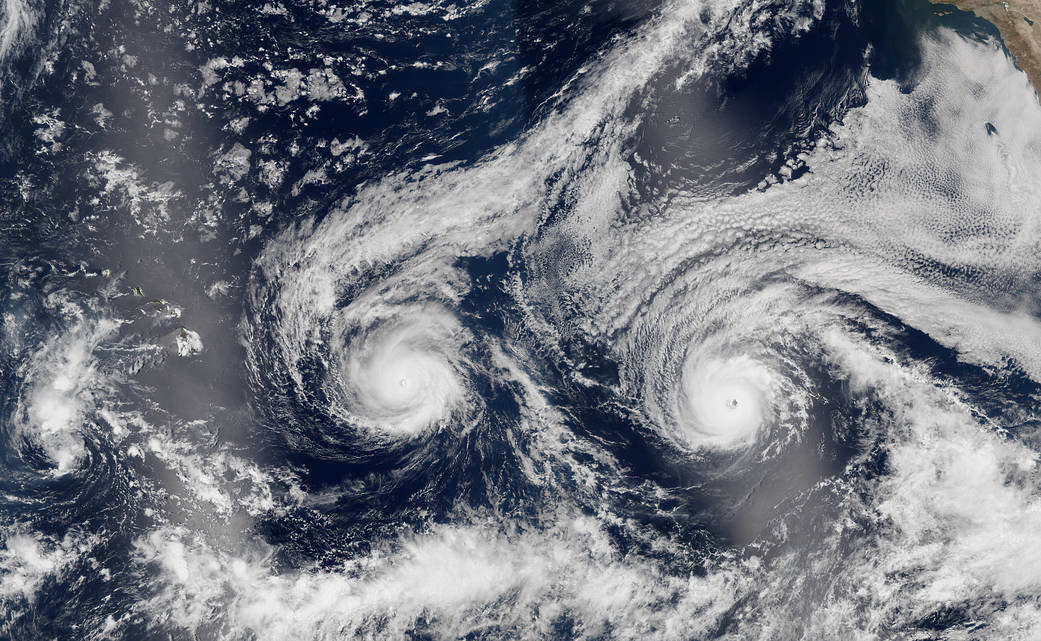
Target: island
1019	22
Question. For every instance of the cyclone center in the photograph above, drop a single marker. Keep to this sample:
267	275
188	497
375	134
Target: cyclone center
401	376
724	401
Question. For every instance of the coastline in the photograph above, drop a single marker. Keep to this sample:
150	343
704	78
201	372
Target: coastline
1019	23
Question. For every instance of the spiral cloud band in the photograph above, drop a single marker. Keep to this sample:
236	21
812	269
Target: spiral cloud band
743	358
724	328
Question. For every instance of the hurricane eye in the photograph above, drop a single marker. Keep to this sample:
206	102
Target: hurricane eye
723	402
402	374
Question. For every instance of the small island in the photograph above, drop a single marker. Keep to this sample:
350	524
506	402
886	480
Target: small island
1019	22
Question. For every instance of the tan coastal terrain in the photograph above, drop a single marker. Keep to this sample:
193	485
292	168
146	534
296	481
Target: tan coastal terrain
1019	22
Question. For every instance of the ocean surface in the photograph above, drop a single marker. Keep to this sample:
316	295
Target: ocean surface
680	320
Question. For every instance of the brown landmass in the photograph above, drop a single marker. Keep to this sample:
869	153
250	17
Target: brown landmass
1019	22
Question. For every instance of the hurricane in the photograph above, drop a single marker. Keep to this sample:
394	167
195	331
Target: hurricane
516	320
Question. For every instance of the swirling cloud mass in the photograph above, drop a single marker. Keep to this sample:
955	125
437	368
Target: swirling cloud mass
654	363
